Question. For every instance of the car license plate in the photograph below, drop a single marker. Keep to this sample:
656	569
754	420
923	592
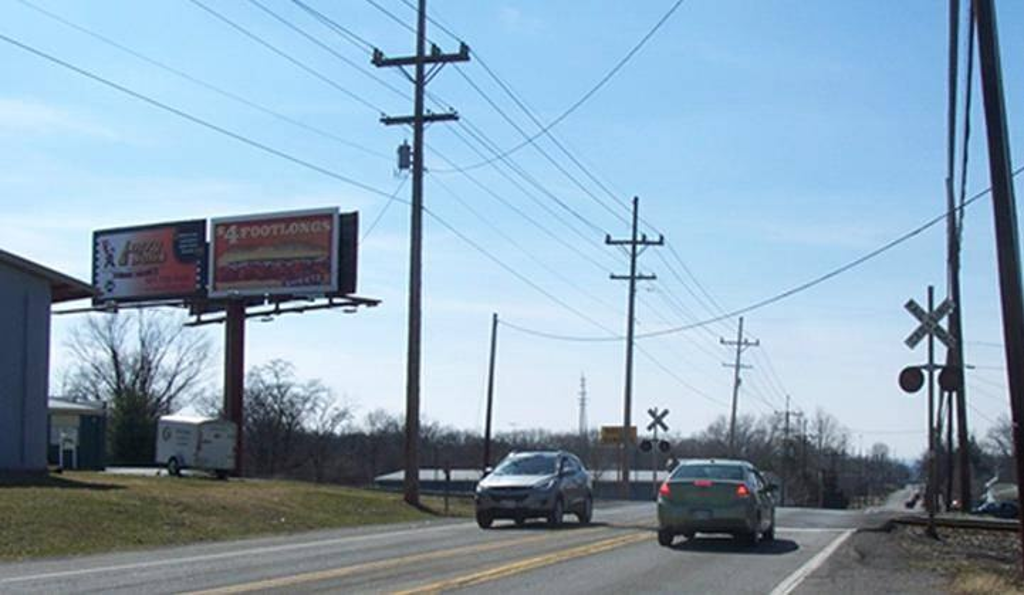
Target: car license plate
701	515
506	503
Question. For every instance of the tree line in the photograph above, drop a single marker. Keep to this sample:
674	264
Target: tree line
146	365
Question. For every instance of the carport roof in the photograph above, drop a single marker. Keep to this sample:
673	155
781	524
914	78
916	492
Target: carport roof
63	288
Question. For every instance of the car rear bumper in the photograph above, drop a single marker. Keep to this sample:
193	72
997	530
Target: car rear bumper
685	517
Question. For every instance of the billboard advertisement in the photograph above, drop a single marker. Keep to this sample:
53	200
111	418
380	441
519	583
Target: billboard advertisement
292	253
151	262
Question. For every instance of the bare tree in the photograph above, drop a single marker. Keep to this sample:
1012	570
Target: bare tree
143	365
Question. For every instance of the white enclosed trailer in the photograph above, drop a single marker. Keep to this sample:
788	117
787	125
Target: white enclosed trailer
195	442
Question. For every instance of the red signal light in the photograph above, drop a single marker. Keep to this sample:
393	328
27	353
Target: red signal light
664	490
742	491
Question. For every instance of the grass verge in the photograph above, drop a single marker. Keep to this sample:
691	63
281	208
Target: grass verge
84	513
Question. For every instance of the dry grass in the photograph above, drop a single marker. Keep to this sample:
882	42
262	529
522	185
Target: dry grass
80	513
981	582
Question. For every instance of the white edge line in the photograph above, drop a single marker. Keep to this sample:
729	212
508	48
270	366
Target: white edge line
231	554
793	581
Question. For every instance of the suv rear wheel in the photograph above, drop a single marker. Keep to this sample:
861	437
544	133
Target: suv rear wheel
587	513
484	520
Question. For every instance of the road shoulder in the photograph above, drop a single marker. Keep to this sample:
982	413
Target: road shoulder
872	561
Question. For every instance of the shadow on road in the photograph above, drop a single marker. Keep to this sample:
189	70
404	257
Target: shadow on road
543	526
728	545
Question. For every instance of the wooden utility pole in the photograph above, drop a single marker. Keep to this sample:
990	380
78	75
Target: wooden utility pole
954	223
741	345
490	391
637	244
1005	215
418	120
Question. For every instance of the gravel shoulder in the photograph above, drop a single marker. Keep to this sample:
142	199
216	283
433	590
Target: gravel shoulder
903	559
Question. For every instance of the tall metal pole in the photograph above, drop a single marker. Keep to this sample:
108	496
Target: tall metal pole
234	374
490	391
419	118
1005	211
931	499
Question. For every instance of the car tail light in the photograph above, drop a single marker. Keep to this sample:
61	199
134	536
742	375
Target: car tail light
742	491
664	490
703	483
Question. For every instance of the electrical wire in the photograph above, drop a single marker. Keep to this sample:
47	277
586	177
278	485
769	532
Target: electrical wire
205	84
308	69
351	36
586	96
774	298
384	209
345	59
194	119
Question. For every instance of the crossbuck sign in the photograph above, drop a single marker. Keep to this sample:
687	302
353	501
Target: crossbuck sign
930	323
657	419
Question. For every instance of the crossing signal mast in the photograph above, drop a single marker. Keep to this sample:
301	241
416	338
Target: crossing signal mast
436	59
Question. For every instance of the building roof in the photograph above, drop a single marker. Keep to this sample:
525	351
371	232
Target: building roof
63	288
62	405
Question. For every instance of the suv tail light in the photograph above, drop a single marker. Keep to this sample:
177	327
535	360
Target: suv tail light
664	490
742	491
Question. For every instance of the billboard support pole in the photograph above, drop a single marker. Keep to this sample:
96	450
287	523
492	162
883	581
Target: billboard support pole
234	373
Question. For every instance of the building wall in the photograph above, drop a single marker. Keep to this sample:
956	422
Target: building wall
24	369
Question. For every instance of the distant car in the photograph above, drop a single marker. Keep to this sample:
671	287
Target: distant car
1002	510
716	496
535	485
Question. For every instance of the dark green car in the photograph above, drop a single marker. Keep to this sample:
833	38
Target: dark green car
716	496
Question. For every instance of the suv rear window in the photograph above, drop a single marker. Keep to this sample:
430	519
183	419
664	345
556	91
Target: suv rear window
708	471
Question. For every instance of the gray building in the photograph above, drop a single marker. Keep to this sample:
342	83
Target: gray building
27	290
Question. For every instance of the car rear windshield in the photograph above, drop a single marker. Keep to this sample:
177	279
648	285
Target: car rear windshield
708	471
527	465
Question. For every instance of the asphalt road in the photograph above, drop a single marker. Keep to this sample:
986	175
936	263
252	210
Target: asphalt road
617	553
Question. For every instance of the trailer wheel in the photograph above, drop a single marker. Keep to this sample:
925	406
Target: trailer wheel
222	474
174	467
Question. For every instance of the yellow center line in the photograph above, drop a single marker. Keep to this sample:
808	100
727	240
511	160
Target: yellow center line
344	571
506	570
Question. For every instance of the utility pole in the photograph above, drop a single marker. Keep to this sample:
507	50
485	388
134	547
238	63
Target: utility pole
954	225
490	392
583	406
1005	211
741	345
637	244
436	59
787	449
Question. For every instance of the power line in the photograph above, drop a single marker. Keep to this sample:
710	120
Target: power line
384	209
194	119
206	85
352	37
312	71
358	67
779	296
395	17
590	93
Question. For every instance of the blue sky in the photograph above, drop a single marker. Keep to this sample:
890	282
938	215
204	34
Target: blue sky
769	141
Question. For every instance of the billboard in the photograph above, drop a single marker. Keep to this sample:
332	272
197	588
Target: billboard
150	262
291	253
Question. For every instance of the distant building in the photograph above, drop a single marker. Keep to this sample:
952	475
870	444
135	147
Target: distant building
77	434
27	290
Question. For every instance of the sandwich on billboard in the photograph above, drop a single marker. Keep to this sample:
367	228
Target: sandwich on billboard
149	262
290	253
